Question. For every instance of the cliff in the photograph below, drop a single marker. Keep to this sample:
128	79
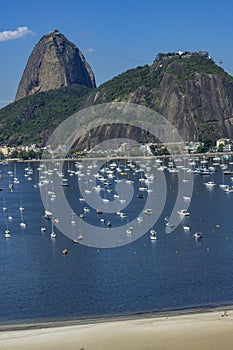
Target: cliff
189	89
55	62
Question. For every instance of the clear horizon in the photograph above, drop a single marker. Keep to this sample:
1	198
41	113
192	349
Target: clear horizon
113	37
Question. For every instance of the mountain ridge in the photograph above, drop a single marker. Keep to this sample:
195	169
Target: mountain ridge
190	90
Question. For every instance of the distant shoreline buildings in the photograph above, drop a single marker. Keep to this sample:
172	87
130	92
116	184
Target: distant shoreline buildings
33	151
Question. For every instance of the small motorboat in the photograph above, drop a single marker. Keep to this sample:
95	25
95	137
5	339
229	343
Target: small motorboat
228	189
48	214
153	235
64	182
169	225
109	224
183	212
53	235
197	235
7	233
129	231
140	219
148	211
210	183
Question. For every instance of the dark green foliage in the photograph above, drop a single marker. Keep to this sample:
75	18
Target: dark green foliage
162	151
139	81
208	135
32	118
25	154
159	150
147	78
185	68
220	147
121	86
202	149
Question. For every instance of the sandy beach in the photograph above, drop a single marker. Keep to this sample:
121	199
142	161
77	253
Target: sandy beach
209	330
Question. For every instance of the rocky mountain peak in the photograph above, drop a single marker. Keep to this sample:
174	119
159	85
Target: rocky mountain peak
55	62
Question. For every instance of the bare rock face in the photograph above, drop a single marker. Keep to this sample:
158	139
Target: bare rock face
191	91
205	100
54	62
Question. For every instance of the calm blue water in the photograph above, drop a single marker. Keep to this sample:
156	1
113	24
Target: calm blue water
174	272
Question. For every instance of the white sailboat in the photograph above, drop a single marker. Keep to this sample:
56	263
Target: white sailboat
21	208
183	212
43	228
4	207
77	237
197	235
7	231
153	235
53	234
16	179
223	185
72	221
64	182
80	237
48	214
129	231
210	183
22	223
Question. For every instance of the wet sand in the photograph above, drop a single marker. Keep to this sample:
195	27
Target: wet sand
196	331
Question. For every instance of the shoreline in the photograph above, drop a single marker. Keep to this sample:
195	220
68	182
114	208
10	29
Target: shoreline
114	157
69	322
201	330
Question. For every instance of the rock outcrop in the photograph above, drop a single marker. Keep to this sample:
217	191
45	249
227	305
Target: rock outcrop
191	91
55	62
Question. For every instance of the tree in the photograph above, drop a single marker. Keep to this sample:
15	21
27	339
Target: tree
14	154
207	135
202	149
220	147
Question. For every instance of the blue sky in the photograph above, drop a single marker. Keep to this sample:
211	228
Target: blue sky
114	36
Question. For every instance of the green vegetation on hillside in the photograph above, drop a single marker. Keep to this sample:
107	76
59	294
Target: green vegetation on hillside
184	68
208	135
31	119
120	87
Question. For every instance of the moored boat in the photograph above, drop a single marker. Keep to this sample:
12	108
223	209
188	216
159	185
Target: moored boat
7	233
210	183
197	235
153	235
48	214
183	212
